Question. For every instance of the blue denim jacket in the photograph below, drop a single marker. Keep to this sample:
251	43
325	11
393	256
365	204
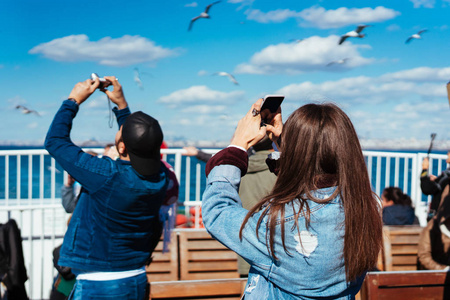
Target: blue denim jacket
115	225
312	267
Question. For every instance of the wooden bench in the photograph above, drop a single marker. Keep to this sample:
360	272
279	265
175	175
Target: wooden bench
230	289
410	285
400	245
202	257
165	266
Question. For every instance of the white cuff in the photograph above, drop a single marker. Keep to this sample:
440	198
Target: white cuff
239	147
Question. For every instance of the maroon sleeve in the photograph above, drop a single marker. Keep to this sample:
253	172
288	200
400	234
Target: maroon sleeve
229	156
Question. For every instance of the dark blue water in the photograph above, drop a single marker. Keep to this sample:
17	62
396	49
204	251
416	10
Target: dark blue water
36	192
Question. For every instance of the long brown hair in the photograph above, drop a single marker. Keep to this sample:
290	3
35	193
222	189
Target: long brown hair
319	141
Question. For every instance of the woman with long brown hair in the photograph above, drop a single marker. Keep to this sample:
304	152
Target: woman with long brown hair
319	230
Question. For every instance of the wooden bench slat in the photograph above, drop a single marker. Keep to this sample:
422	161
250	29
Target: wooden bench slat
212	255
216	266
400	244
404	260
195	288
409	285
404	249
210	275
205	244
202	257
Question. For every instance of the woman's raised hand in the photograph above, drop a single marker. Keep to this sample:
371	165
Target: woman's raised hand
249	130
275	127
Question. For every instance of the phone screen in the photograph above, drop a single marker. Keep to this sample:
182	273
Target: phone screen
269	106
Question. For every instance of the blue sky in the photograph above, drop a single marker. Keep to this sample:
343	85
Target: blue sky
391	90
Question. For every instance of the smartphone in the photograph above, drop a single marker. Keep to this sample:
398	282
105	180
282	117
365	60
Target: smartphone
269	106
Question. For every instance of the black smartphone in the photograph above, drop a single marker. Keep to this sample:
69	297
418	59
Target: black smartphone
269	106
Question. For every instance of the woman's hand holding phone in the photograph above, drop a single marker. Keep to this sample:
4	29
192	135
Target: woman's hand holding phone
275	127
249	130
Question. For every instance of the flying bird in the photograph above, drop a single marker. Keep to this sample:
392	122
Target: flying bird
296	40
27	111
415	36
231	77
340	62
354	33
202	15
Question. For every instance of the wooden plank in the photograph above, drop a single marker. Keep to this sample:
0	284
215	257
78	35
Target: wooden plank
165	265
409	278
212	266
196	288
202	257
210	275
209	244
159	277
405	239
212	255
419	293
404	268
404	249
158	267
409	285
404	260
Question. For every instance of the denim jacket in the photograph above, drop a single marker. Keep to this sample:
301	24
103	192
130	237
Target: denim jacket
313	265
115	225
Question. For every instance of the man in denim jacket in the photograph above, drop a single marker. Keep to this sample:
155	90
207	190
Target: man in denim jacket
115	226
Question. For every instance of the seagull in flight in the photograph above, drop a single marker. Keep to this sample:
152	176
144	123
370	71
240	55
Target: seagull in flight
27	111
415	36
231	77
354	33
340	62
202	15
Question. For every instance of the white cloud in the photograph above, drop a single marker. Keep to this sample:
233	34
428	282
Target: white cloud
33	125
319	17
99	102
393	27
202	73
275	16
407	84
420	74
127	50
205	109
243	3
193	4
423	3
343	16
311	54
200	94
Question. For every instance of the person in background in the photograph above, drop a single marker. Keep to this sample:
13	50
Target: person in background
71	191
397	207
434	186
256	184
434	242
115	225
199	154
319	230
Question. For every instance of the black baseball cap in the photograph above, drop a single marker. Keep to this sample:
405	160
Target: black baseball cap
143	137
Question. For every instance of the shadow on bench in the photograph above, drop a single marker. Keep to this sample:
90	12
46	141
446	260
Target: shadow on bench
409	285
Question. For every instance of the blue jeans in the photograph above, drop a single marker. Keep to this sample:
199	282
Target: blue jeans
132	288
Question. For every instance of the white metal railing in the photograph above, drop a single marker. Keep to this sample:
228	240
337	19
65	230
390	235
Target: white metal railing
30	184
